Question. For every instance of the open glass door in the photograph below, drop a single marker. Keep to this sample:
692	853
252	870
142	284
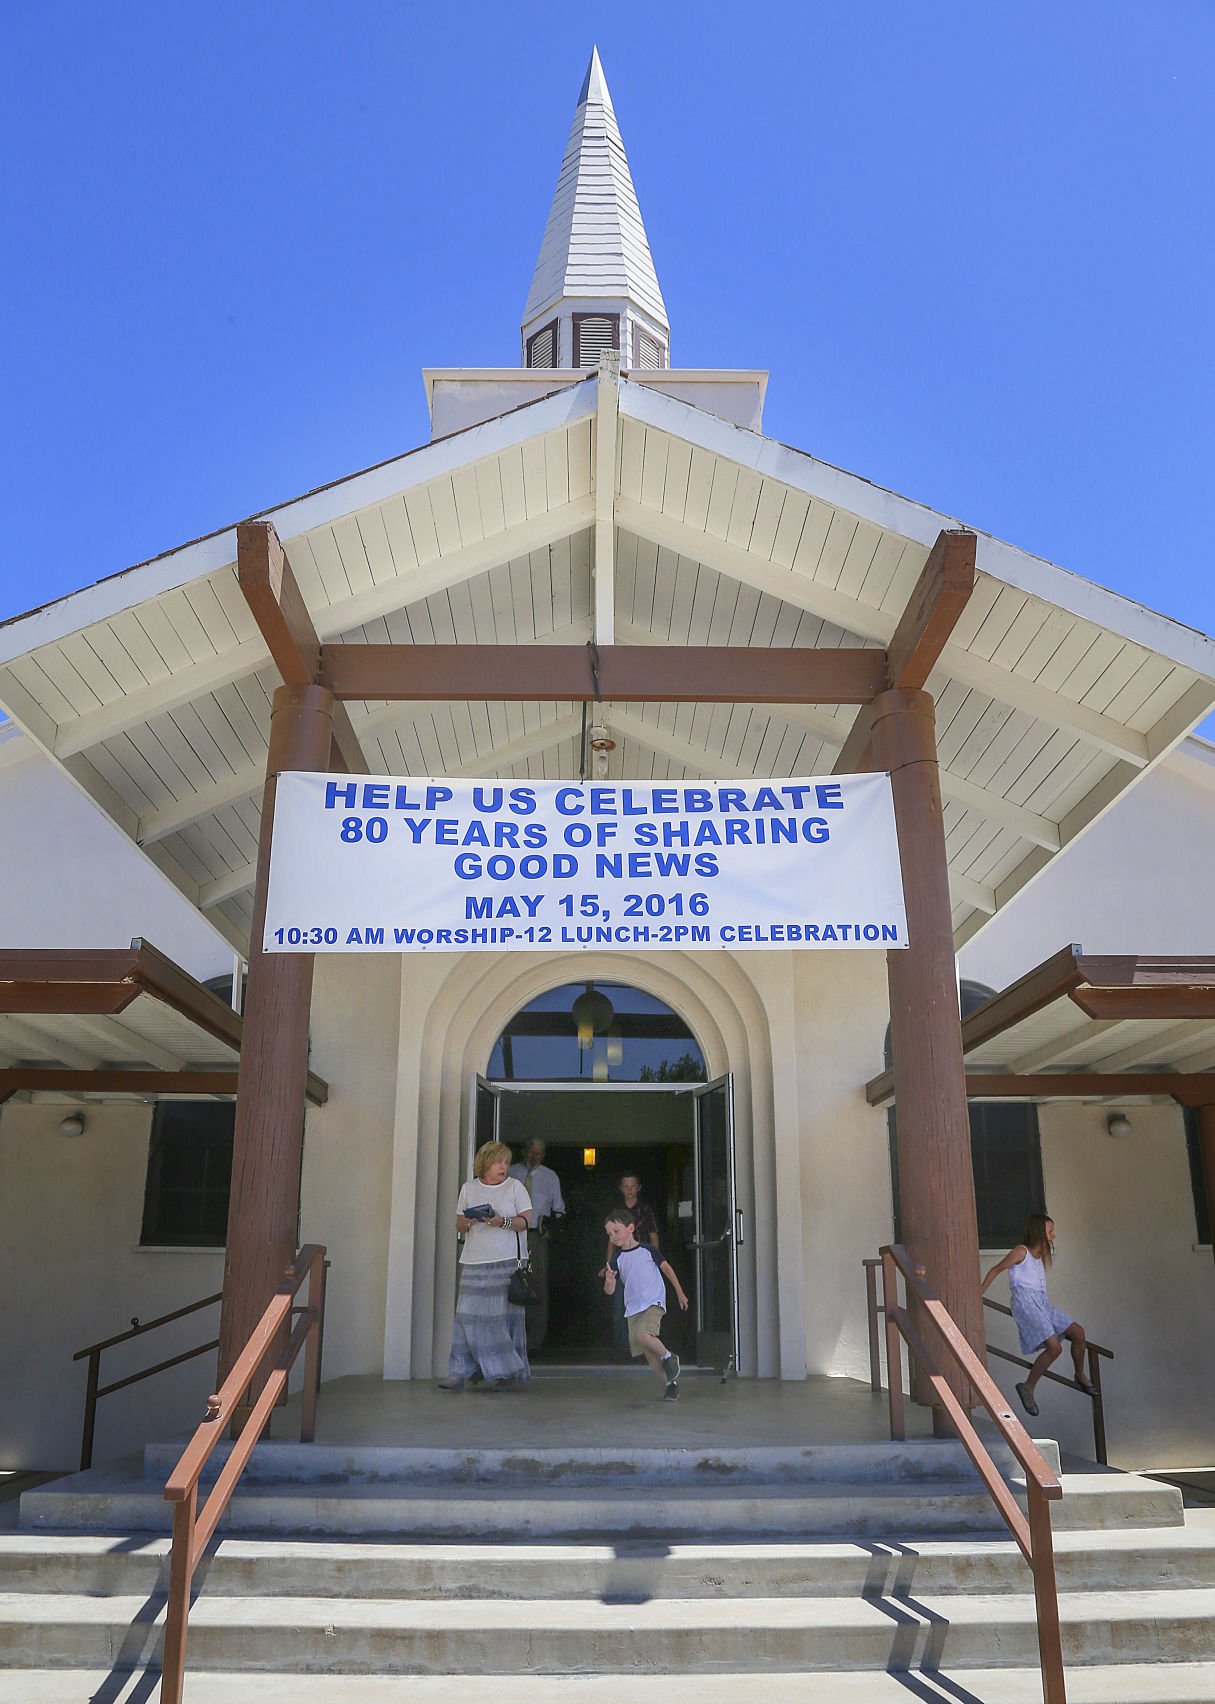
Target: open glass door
718	1228
483	1118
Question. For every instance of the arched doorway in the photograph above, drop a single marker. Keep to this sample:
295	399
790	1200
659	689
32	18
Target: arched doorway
614	1082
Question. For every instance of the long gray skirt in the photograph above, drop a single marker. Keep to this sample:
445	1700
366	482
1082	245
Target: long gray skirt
489	1335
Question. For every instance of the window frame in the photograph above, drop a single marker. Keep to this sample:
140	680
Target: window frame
554	325
155	1229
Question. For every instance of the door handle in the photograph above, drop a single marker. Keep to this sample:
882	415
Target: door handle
713	1242
740	1235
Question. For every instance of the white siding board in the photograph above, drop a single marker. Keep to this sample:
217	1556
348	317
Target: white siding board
812	539
446	515
740	528
795	509
654	451
557	468
420	513
467	498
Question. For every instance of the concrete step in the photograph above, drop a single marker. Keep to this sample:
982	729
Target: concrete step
890	1511
921	1460
627	1571
1125	1683
570	1636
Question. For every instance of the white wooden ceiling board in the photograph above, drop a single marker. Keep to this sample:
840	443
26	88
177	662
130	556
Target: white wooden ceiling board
116	774
446	514
859	558
232	837
794	510
481	603
979	605
990	856
953	733
70	687
302	554
218	761
1115	677
103	641
129	632
170	754
219	602
722	490
211	848
1160	702
666	572
1133	703
742	616
23	678
490	500
1031	737
812	540
970	760
419	512
836	545
686	577
511	614
1073	779
202	647
511	484
154	619
77	654
1066	659
740	525
892	557
748	751
1022	630
704	601
1053	628
1091	667
557	470
1032	786
540	575
678	472
631	458
1202	1060
352	553
767	518
996	622
723	611
181	849
149	765
578	458
700	488
654	450
561	577
467	497
1155	1044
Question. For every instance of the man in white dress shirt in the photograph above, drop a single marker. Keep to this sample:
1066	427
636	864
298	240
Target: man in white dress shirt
544	1188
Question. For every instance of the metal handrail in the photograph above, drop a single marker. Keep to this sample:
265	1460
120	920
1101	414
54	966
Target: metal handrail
1096	1351
193	1528
1032	1536
95	1390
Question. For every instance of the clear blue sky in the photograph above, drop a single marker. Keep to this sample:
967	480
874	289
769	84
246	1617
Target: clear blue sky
972	242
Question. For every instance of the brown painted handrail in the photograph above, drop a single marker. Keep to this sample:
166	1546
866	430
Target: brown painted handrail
95	1390
193	1528
1096	1352
1032	1535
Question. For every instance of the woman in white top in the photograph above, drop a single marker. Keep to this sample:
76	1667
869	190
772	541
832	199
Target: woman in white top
1040	1324
489	1337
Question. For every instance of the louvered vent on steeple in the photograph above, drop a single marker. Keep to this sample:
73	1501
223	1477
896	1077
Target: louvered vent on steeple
595	273
593	333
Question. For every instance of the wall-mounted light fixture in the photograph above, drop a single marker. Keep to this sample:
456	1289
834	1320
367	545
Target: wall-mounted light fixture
1118	1124
72	1125
588	1157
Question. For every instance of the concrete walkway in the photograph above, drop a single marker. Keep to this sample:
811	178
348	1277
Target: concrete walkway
601	1410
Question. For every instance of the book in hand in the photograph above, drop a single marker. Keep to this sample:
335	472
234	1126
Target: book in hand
480	1212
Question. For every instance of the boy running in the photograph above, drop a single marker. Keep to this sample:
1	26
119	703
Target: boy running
644	1273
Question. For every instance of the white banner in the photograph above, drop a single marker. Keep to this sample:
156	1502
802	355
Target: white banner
375	864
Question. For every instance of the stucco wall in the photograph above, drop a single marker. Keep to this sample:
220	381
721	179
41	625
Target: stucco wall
80	883
72	1272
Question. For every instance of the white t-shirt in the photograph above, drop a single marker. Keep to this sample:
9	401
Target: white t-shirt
639	1270
484	1243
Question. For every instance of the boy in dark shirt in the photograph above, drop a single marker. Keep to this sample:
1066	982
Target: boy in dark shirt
644	1274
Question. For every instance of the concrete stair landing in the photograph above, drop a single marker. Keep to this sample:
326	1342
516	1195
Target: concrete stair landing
355	1574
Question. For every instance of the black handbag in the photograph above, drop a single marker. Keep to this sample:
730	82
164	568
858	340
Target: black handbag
521	1292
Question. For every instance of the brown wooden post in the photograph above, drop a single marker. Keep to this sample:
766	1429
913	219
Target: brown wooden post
269	1138
936	1180
1206	1150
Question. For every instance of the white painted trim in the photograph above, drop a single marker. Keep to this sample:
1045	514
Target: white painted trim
603	568
1182	645
189	562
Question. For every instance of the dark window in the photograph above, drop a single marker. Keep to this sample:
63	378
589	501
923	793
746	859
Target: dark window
541	350
593	333
1006	1155
596	1032
1202	1217
189	1174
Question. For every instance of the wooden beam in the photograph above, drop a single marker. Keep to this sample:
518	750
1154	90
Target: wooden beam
277	605
65	998
1146	1002
933	610
121	1081
1188	1088
716	674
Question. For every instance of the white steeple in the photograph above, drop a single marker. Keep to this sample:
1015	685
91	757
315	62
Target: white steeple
595	287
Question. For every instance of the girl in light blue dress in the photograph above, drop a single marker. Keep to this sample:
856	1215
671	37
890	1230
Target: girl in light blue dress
1040	1325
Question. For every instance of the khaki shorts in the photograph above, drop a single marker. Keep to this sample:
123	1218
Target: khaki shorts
648	1320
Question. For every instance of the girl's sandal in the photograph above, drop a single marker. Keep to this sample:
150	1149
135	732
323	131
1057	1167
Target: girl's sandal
1086	1385
1027	1402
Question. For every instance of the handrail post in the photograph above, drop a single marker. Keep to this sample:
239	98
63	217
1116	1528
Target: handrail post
1098	1402
894	1347
90	1411
1046	1597
181	1570
312	1351
871	1308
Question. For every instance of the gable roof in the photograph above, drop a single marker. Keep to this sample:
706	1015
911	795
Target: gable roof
595	243
152	689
